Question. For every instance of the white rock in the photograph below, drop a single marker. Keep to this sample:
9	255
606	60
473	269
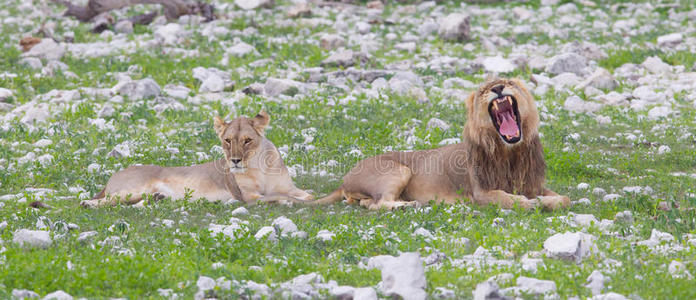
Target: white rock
240	211
275	86
659	112
212	84
599	191
567	62
585	220
577	105
124	26
345	58
137	90
5	94
266	232
24	294
656	238
342	292
595	282
85	236
536	286
177	91
252	4
678	270
583	186
498	64
455	27
331	41
610	197
43	143
47	49
241	49
32	238
205	283
609	296
646	93
284	225
565	80
487	290
531	264
58	295
437	123
402	276
33	63
570	246
365	293
423	232
664	149
325	235
670	40
656	66
600	79
169	34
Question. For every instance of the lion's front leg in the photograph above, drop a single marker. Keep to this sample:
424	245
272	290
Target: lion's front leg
502	198
552	200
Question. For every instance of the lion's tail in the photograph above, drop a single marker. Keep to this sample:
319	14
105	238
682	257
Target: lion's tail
334	197
100	194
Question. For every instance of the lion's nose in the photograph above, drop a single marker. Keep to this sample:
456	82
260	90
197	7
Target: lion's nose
235	160
498	89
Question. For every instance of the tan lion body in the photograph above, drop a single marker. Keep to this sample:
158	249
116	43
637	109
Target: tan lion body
252	169
484	167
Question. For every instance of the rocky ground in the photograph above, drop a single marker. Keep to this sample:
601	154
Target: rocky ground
614	82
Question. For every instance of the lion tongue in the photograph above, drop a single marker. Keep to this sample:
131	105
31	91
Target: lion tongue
508	126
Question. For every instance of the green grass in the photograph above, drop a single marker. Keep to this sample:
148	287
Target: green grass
158	257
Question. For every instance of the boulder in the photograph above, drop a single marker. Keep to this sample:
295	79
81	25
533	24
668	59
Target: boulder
572	246
455	27
402	276
32	238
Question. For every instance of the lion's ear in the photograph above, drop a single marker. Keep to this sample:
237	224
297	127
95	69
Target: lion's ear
219	125
260	121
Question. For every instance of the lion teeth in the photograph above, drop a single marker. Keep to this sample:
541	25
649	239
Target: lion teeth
495	105
518	133
509	99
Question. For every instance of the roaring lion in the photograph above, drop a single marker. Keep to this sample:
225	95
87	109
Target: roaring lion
252	170
499	161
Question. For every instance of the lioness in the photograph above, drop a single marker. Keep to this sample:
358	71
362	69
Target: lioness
252	169
500	160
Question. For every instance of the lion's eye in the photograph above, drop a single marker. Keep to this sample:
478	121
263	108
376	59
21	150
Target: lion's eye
229	141
247	141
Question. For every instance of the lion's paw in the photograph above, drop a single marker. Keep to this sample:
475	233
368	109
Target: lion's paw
554	202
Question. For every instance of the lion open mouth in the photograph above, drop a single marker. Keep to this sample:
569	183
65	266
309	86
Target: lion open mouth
506	118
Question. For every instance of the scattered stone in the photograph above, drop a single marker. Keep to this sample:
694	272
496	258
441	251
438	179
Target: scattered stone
24	294
488	290
266	232
205	283
437	123
325	235
169	34
241	49
455	27
86	236
275	87
300	10
344	59
32	238
5	94
600	79
253	4
678	270
655	65
498	64
47	49
124	26
444	293
402	276
535	286
331	41
138	90
670	40
567	62
424	233
33	63
595	282
572	246
609	296
366	293
284	225
240	211
58	295
577	105
212	84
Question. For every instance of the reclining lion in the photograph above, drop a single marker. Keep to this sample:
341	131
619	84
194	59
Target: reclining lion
251	171
500	161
